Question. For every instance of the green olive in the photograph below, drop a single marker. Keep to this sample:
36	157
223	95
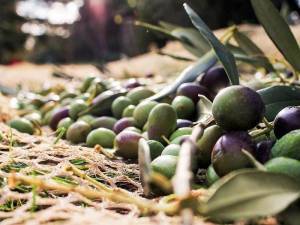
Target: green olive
142	112
172	149
181	131
156	148
104	122
184	107
65	123
128	111
101	136
139	93
78	132
211	175
22	125
87	118
119	104
77	107
165	165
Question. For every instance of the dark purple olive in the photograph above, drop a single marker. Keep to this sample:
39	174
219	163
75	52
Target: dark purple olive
126	144
132	83
123	123
183	123
192	91
227	153
287	119
215	79
57	116
289	74
263	150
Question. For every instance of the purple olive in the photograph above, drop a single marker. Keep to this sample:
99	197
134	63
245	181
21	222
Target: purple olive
126	144
123	123
215	79
192	91
227	153
57	116
287	119
132	83
183	123
263	150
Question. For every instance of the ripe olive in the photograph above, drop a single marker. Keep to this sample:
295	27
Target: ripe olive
126	144
183	123
101	136
263	150
57	115
184	107
123	123
165	165
156	148
192	91
119	104
76	107
22	125
227	154
287	119
78	132
215	79
238	108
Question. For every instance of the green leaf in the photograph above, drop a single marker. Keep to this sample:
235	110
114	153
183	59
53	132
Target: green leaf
278	30
224	55
249	194
188	75
278	97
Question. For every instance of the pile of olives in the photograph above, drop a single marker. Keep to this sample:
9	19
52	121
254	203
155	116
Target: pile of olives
116	116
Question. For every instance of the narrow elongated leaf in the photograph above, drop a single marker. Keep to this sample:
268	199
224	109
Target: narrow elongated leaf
256	61
250	194
224	55
144	165
278	30
188	75
278	97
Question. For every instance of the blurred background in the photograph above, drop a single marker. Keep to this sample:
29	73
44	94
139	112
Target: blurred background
78	31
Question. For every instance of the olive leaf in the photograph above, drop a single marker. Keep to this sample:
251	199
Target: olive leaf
204	109
241	195
278	31
278	97
144	160
188	75
224	55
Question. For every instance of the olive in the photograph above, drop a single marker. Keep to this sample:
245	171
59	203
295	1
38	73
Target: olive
77	107
57	116
78	132
87	118
47	107
65	123
156	148
104	121
126	144
133	129
139	93
263	150
184	107
34	117
179	140
183	123
22	125
96	87
165	165
192	91
287	166
211	176
132	83
172	149
142	111
87	83
128	111
180	132
47	117
227	153
67	94
287	146
206	144
119	104
286	120
238	108
101	136
215	79
123	123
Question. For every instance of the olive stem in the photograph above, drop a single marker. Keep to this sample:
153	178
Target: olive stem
255	133
267	123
